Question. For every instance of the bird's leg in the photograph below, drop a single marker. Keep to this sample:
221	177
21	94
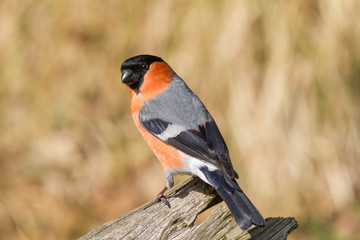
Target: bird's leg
162	198
159	198
161	195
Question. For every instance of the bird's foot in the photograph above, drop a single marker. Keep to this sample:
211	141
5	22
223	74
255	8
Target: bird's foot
162	198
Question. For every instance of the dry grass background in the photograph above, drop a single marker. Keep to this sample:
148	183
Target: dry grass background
281	78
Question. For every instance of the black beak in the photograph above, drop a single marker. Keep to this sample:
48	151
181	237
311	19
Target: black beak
126	76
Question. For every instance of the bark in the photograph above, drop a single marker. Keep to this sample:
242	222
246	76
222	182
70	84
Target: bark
187	200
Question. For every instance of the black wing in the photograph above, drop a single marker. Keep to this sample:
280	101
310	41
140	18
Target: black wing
205	143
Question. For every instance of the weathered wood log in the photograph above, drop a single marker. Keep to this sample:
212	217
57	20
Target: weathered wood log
187	200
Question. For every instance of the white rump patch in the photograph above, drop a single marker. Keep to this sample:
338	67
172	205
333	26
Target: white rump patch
192	166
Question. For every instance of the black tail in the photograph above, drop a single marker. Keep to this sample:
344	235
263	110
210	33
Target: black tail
244	212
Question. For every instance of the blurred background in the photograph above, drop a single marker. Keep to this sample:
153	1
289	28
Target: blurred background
281	79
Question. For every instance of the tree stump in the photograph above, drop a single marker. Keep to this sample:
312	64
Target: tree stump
187	200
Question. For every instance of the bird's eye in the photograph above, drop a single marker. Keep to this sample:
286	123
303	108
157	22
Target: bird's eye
144	66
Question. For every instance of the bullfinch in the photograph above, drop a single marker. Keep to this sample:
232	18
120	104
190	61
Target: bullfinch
182	133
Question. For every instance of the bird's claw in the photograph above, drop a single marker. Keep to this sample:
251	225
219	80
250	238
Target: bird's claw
162	198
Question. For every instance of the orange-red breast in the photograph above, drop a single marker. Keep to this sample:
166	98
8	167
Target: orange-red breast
182	133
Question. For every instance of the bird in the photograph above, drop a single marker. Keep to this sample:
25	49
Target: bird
182	134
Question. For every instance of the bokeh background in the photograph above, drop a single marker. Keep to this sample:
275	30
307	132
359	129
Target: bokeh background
281	78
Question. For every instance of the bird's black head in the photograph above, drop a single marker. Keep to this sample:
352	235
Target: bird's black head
134	69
